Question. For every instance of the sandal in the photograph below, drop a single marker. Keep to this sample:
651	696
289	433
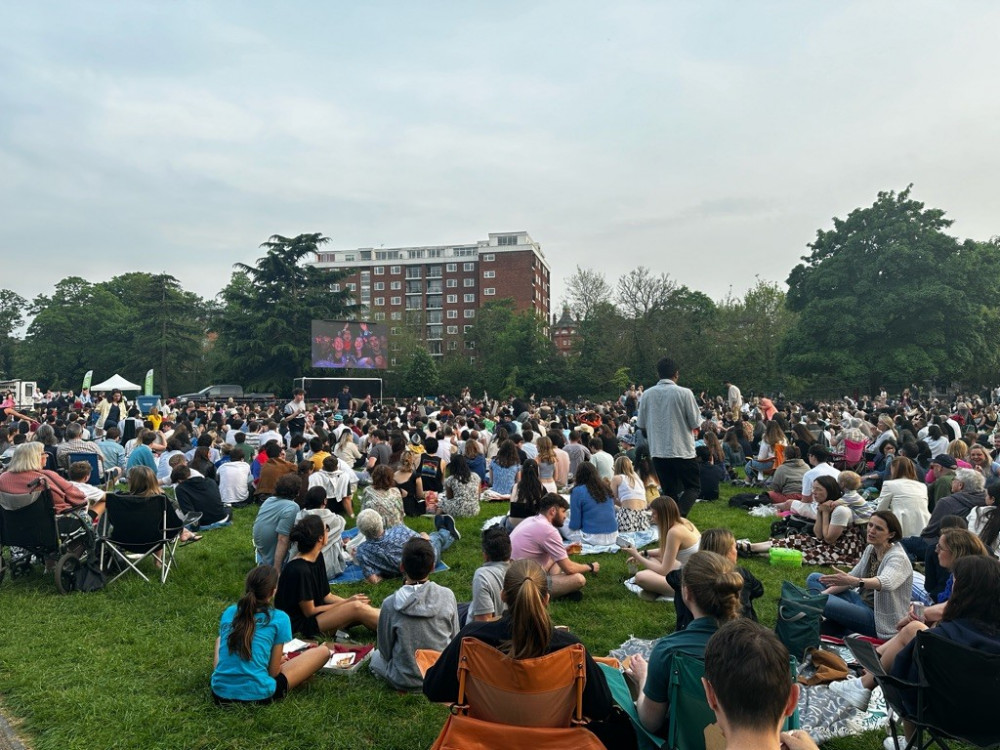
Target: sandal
190	540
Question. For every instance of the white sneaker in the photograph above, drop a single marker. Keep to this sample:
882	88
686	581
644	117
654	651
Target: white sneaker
852	693
889	743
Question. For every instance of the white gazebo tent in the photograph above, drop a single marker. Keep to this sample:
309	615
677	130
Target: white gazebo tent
115	381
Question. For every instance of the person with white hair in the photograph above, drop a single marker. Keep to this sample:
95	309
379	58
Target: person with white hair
380	555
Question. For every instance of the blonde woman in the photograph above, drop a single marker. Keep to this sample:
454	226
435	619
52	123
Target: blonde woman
546	463
679	539
630	497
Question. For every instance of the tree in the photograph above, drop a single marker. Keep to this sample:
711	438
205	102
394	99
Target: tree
585	291
886	297
166	328
11	318
76	329
268	308
420	374
504	339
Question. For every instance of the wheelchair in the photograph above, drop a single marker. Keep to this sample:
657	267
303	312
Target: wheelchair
31	532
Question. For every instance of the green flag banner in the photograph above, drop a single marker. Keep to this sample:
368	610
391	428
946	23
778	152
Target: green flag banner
87	378
148	387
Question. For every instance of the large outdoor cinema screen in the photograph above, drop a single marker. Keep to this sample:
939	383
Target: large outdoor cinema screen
343	344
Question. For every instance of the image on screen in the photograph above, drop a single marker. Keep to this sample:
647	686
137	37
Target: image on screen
349	344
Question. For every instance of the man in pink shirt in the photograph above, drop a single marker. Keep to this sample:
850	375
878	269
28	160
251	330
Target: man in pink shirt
537	538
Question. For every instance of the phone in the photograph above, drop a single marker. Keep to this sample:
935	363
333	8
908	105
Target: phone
624	543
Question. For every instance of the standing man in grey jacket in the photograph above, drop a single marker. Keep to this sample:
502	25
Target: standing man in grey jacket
668	416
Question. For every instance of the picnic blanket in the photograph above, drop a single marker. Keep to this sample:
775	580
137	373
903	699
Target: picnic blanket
639	538
352	574
821	713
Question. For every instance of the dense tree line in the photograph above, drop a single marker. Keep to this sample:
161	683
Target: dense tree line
884	298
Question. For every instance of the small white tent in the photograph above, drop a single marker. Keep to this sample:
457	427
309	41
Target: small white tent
115	381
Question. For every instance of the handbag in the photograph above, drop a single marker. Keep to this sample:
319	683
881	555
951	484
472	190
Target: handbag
800	613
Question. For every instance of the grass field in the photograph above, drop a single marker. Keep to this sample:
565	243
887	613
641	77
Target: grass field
128	667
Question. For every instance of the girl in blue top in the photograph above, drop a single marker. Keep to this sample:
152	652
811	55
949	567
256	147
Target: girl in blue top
249	664
592	518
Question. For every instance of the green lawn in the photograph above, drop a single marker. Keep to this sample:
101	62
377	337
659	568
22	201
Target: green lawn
128	667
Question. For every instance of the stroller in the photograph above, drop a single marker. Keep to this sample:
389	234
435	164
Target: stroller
31	531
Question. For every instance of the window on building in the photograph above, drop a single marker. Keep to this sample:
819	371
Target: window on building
379	270
489	274
414	303
414	272
470	344
349	257
469	298
468	282
489	291
379	316
334	287
395	269
507	239
451	267
468	266
433	271
379	301
452	345
469	313
466	329
451	283
489	257
396	300
392	361
396	316
394	346
379	286
452	314
395	285
452	329
452	299
352	287
394	330
366	277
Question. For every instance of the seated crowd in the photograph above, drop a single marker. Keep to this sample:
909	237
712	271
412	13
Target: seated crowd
870	487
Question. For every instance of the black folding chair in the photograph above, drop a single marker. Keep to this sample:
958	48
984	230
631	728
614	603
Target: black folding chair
30	528
134	528
953	698
97	479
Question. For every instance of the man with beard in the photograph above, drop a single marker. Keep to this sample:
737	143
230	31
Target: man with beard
538	538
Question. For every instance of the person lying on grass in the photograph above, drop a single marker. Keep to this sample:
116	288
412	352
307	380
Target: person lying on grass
249	665
304	590
380	555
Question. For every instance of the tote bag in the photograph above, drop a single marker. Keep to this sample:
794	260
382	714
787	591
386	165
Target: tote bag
799	615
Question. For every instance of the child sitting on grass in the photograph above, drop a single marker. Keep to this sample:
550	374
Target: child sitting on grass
421	614
249	663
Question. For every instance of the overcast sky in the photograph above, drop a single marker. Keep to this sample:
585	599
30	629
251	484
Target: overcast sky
706	140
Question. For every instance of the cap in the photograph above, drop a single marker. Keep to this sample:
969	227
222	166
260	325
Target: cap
943	459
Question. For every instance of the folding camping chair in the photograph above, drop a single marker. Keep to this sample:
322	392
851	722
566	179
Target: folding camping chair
97	479
532	703
689	710
133	528
953	699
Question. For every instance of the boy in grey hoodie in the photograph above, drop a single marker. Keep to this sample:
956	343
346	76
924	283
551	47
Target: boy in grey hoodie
421	614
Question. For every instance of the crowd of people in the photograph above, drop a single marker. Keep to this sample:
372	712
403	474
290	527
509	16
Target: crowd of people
336	482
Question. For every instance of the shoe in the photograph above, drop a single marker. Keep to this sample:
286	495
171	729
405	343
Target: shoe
852	693
444	521
743	548
889	743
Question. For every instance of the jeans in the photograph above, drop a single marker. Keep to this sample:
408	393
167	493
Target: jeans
679	479
753	466
846	609
440	541
921	550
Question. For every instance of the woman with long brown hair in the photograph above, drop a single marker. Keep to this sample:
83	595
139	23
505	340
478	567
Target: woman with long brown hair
679	540
524	632
249	666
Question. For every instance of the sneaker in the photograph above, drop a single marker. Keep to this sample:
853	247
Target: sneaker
852	693
743	548
444	521
889	743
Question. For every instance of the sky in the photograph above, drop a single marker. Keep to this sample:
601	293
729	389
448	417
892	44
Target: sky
709	140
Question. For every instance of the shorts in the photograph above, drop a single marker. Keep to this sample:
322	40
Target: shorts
280	691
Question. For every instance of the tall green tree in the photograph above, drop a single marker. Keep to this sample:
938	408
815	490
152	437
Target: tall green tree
267	312
505	338
166	329
887	296
79	327
12	306
749	335
419	375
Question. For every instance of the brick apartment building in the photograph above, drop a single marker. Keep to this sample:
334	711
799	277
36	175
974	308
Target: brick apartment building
436	290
